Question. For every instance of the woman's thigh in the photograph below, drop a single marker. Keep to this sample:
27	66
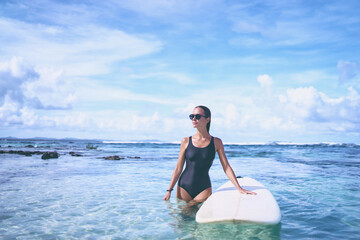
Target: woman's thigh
183	194
201	197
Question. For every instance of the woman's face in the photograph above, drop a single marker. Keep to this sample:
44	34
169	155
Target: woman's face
199	122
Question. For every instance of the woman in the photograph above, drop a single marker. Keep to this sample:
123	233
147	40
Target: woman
199	152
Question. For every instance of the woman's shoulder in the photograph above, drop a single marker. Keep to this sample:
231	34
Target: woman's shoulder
218	143
185	140
217	140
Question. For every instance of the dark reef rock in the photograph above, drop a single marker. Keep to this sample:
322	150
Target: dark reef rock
20	152
113	158
29	146
134	157
48	155
91	146
74	154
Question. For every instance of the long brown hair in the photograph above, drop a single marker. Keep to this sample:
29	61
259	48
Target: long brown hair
207	115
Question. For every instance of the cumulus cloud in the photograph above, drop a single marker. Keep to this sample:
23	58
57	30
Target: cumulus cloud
302	111
51	89
28	91
265	81
23	88
308	105
13	75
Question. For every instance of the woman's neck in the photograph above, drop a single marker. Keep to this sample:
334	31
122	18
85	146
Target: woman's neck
202	133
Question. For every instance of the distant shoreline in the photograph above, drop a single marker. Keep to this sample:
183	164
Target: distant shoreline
155	141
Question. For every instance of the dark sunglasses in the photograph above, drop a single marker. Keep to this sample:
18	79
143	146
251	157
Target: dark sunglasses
197	116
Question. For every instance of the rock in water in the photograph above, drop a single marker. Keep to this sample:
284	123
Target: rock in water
113	158
90	146
48	155
74	154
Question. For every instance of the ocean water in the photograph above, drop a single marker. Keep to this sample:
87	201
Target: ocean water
87	197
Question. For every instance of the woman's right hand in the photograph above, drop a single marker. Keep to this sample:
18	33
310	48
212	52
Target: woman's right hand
244	191
167	196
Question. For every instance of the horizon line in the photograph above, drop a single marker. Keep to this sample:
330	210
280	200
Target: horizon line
156	141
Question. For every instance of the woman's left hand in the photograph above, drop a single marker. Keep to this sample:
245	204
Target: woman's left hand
244	191
167	196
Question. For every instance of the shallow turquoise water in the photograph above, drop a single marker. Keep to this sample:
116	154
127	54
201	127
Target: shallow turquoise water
87	197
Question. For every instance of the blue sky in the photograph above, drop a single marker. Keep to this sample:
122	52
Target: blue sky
124	70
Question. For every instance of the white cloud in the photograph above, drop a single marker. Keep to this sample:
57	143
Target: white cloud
231	113
13	74
295	112
32	97
265	81
76	49
301	102
52	89
23	87
271	123
120	125
309	105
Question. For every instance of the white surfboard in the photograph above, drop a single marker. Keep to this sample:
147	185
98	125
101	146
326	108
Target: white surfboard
228	204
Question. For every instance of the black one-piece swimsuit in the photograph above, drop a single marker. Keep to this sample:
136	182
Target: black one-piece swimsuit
195	178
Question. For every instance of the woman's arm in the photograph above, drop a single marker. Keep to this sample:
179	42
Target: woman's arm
178	168
227	168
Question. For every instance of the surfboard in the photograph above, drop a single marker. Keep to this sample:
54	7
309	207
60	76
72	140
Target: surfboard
228	204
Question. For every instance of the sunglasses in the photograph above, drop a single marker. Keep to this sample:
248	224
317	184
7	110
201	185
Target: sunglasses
197	116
